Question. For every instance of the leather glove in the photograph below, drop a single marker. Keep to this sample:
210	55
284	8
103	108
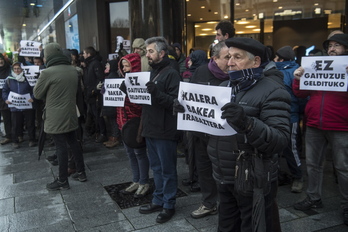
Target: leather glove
177	107
236	117
151	87
123	87
100	85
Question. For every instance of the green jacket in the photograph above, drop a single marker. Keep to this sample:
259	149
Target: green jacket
57	85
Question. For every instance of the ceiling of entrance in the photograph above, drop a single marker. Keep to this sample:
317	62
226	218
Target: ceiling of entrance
19	19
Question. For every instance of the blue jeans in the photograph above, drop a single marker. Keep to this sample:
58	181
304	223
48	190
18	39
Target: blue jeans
61	141
139	163
163	159
316	143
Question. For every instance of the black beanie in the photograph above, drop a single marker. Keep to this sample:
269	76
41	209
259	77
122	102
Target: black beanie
286	53
250	45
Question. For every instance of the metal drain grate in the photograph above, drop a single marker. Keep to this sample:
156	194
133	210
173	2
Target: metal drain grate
128	201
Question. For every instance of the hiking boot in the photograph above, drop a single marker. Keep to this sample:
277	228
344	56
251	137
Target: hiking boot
307	204
15	145
113	142
5	141
345	216
203	211
297	186
58	185
130	189
52	157
80	176
142	190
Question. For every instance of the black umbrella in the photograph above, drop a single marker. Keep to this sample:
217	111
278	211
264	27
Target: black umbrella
42	138
258	214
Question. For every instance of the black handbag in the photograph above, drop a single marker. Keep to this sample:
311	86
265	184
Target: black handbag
131	130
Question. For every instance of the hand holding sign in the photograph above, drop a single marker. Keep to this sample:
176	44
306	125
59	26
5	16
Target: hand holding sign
177	107
299	73
151	87
236	117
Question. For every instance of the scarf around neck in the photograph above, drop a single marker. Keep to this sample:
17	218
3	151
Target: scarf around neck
243	79
19	77
218	73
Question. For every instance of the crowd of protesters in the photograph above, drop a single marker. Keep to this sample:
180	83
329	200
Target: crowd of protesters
269	112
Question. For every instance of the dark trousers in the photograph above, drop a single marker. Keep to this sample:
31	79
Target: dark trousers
205	172
235	211
6	115
97	118
18	118
61	141
291	153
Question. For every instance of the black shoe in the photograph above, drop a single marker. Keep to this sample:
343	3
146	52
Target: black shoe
58	185
80	176
51	157
165	215
187	182
150	208
195	187
54	162
307	204
101	139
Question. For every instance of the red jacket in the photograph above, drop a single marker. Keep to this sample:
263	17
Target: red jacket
130	110
325	110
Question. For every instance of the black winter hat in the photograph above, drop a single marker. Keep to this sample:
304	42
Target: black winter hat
286	53
339	38
250	45
177	45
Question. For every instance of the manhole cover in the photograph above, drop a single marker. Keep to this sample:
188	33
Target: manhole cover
128	201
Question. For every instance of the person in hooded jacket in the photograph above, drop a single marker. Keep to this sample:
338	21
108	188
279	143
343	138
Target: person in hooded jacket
196	59
5	71
17	83
138	159
58	85
140	48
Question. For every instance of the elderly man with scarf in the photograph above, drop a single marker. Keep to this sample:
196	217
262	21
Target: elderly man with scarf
57	85
259	112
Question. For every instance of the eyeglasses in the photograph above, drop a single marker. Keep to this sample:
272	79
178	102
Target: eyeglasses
336	45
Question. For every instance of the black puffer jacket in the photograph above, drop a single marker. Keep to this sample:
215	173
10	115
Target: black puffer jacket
94	73
268	103
158	119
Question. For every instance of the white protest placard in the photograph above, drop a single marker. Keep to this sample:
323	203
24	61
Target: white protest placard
136	88
112	56
327	73
202	105
113	96
19	101
30	48
30	73
2	82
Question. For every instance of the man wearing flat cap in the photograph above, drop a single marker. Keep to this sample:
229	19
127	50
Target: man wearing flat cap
327	124
259	112
285	62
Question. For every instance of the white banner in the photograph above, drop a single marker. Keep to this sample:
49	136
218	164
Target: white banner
113	96
30	73
30	48
19	101
136	88
2	82
326	73
202	105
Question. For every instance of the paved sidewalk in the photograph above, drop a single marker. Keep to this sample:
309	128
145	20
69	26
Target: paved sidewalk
26	205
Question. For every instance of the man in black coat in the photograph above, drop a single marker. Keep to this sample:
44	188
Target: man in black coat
5	71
